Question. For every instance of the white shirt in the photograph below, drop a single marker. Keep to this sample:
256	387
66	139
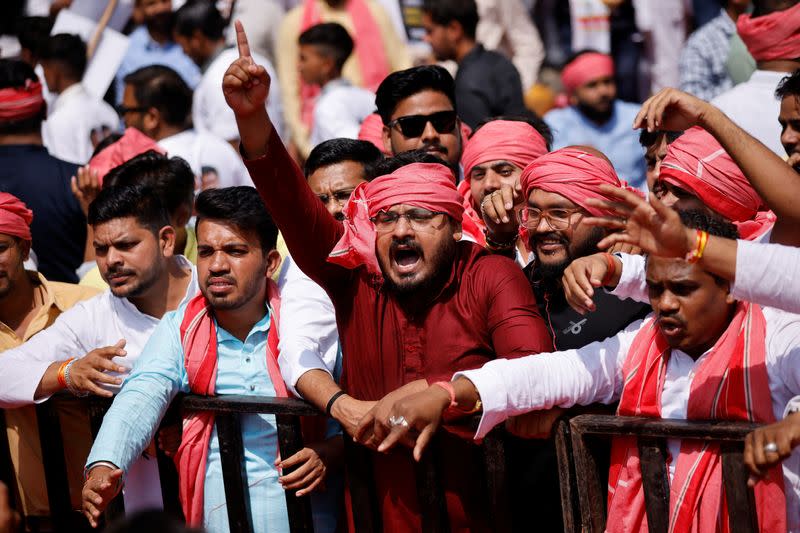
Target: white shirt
67	132
768	274
594	374
211	113
753	107
208	153
340	110
309	339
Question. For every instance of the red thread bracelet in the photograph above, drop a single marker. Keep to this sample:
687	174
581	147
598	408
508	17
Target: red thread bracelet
446	385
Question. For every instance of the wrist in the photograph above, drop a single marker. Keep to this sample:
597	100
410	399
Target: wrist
442	397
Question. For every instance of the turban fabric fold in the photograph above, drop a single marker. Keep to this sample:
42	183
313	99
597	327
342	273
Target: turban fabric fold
773	36
20	103
696	162
574	174
511	140
425	185
15	217
131	144
585	68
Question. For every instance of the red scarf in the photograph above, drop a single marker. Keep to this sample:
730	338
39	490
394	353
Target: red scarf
731	384
369	50
199	342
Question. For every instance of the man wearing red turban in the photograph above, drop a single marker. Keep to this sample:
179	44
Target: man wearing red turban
495	155
29	303
413	302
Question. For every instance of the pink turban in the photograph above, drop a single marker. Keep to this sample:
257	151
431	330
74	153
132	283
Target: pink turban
773	36
15	217
19	103
585	68
574	174
372	131
131	144
426	185
511	140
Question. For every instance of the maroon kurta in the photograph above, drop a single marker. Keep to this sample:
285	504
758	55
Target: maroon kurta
485	310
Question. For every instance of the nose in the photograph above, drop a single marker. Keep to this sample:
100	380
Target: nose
544	226
429	133
218	263
402	229
790	138
113	257
491	182
667	303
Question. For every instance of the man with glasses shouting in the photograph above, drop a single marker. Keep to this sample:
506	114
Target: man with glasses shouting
413	303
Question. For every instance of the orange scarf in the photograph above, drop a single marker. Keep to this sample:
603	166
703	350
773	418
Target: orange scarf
731	383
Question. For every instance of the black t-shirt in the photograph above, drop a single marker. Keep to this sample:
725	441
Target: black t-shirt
40	180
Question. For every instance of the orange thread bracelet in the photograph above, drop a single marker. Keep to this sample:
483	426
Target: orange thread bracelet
612	269
699	247
62	378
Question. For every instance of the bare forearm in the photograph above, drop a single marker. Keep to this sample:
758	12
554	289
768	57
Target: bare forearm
49	384
467	395
317	387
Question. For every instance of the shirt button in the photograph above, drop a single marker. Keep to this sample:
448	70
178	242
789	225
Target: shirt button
252	387
247	359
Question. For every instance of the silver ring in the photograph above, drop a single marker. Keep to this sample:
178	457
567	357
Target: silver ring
770	447
398	421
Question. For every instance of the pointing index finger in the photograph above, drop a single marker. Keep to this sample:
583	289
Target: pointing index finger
241	40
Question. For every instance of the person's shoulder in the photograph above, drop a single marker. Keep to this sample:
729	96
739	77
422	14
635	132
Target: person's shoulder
68	294
560	115
627	108
482	263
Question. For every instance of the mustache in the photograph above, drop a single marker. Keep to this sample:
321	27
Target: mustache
408	242
120	271
220	277
535	238
429	146
672	318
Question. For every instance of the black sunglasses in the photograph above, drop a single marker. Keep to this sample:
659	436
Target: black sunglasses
123	110
413	125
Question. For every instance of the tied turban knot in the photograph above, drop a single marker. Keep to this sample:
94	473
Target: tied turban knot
585	68
575	175
20	103
773	36
424	185
696	162
15	217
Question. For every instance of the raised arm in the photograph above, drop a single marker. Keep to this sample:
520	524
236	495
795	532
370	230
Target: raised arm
309	230
777	183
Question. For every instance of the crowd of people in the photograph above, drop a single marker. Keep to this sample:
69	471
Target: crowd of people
410	214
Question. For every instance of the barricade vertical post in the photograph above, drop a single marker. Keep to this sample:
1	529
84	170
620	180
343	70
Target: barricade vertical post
55	466
590	493
290	441
6	466
494	453
359	474
430	492
741	501
653	464
566	476
234	476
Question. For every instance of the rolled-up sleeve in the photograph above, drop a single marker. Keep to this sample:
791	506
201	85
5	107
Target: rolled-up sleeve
633	279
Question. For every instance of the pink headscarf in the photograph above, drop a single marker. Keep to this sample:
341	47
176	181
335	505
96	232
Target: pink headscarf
19	103
372	131
15	217
574	174
426	185
773	36
131	144
585	68
696	162
511	140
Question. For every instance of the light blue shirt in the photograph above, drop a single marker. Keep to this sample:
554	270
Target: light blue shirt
144	51
159	375
616	138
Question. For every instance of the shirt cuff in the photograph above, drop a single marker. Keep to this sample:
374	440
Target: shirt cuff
631	281
792	407
489	385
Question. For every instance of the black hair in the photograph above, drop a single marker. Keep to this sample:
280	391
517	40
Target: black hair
105	142
332	40
162	88
713	224
443	12
170	178
399	85
137	201
339	150
789	86
649	138
200	15
390	164
34	33
242	207
69	51
766	7
533	120
15	73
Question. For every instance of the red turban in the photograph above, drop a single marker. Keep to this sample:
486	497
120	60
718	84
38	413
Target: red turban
131	144
773	36
15	217
696	162
426	185
372	130
511	140
585	68
574	174
19	103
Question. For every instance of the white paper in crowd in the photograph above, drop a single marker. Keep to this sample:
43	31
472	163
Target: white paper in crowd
92	9
108	56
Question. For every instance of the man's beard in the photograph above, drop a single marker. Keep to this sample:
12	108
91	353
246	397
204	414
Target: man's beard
596	115
141	285
440	262
551	273
161	23
229	302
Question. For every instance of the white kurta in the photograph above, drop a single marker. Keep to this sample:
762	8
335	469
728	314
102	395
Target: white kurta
208	153
340	110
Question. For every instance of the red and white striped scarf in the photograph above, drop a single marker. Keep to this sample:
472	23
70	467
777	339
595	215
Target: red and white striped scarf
199	342
731	383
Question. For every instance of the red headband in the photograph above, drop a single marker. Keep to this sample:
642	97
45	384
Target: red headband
773	36
585	68
131	144
426	185
15	217
19	103
510	140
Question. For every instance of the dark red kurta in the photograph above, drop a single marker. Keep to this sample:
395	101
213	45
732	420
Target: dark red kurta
485	310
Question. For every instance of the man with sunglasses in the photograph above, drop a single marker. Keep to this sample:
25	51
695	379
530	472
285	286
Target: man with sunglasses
401	282
418	110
